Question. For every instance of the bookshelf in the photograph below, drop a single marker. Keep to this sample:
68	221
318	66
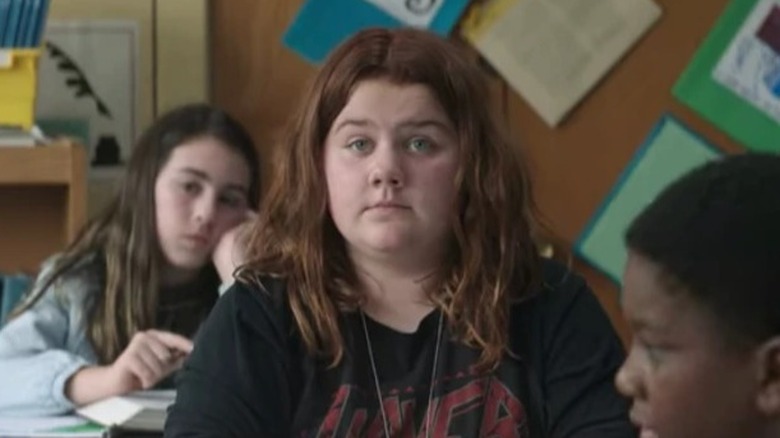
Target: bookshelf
42	202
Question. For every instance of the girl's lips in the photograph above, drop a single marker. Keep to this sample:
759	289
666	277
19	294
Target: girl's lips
647	433
197	239
388	204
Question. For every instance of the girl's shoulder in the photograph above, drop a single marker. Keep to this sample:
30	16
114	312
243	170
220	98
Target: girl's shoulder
565	315
69	280
559	289
257	309
563	302
264	294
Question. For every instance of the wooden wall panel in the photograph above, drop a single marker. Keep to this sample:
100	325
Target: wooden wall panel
254	76
182	65
38	211
42	202
573	166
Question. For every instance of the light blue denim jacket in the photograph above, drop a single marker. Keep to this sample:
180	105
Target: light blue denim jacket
41	348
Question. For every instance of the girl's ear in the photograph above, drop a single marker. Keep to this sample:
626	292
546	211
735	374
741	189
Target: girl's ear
768	359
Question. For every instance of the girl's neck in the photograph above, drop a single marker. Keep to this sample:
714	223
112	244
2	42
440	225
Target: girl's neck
184	286
172	277
396	295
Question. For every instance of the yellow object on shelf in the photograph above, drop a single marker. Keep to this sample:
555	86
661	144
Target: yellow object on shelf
18	82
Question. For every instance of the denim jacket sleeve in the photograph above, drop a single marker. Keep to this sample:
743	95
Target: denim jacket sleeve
41	348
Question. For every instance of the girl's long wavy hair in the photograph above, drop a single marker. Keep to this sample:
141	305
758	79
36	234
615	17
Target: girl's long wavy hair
122	240
492	258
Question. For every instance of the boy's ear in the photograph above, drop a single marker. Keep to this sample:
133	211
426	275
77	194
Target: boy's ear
769	385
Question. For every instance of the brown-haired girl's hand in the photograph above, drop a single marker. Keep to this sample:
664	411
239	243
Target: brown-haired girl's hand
231	249
151	356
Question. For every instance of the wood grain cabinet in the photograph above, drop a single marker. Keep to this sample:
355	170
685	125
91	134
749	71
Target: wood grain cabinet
42	202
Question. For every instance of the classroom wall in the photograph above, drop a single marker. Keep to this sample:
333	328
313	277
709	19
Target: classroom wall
182	53
173	59
573	166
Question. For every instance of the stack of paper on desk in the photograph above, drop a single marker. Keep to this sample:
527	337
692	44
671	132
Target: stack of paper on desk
137	414
142	411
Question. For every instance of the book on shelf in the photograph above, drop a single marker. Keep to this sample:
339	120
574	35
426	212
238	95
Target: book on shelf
16	137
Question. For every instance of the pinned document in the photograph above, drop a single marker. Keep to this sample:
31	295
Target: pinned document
733	79
670	151
321	25
552	53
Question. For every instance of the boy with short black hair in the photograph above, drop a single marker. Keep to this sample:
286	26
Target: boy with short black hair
702	295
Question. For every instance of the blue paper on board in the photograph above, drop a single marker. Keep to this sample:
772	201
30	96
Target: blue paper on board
321	25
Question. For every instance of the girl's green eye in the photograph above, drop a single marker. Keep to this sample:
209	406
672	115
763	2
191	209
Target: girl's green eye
420	145
360	145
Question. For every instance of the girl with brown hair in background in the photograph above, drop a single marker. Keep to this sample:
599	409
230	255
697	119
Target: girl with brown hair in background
115	311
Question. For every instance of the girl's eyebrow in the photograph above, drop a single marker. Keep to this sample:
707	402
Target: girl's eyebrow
195	172
203	176
422	123
352	122
426	123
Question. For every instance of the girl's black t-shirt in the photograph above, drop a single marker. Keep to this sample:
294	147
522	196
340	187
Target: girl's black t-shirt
250	375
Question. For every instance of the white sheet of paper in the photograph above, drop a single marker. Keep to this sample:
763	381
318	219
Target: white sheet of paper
6	58
416	13
749	67
131	410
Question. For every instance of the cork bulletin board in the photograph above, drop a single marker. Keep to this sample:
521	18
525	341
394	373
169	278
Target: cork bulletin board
574	165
